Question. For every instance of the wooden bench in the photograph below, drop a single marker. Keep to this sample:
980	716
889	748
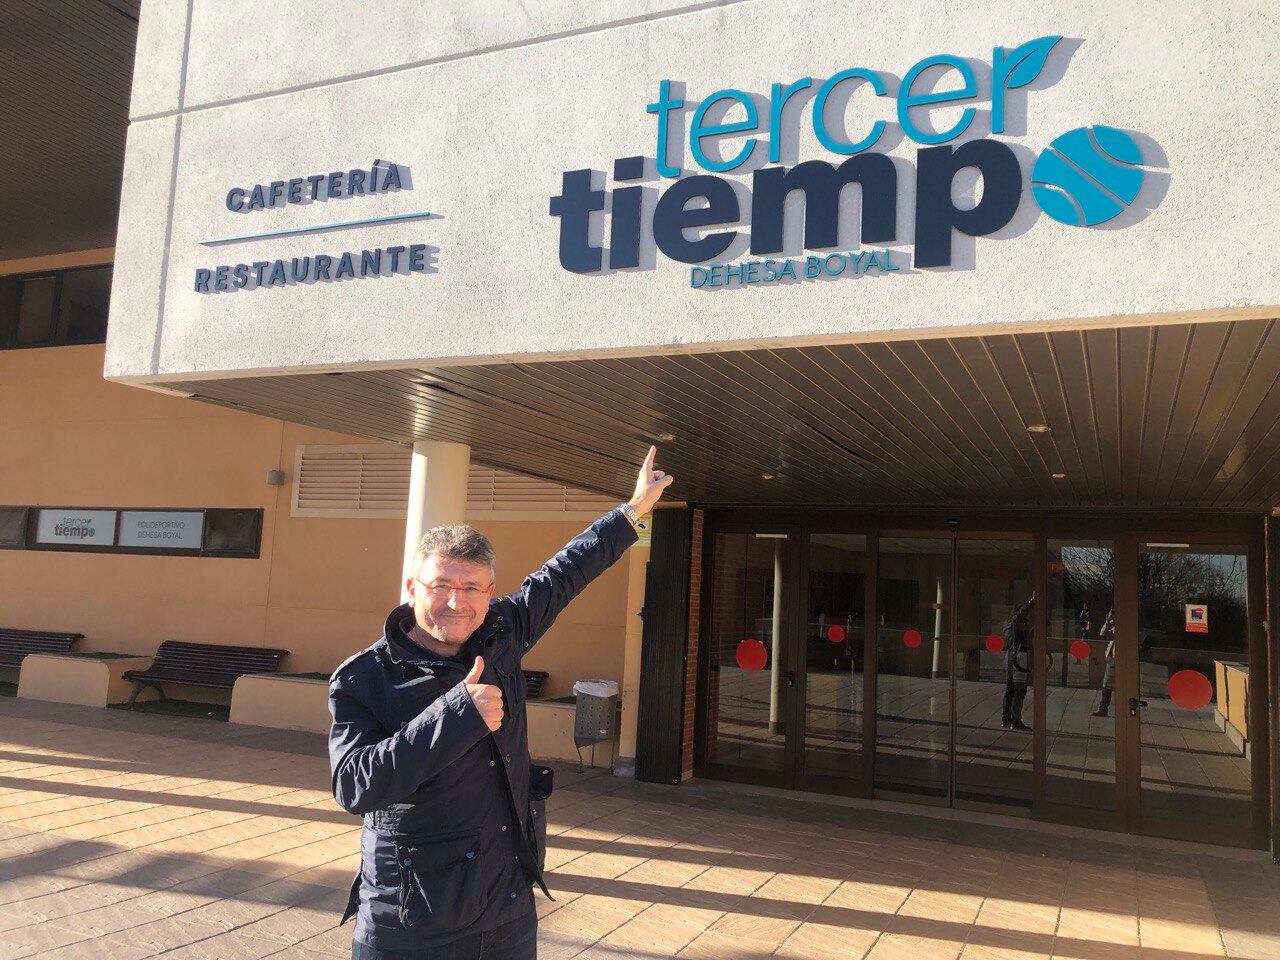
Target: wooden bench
16	644
203	665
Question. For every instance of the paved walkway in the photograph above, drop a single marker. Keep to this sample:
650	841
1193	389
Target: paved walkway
126	836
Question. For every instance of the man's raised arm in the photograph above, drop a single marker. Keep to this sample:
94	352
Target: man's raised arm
545	593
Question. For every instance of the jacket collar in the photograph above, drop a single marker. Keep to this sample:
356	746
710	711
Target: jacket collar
402	650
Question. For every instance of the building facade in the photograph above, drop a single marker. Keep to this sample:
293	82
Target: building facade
955	324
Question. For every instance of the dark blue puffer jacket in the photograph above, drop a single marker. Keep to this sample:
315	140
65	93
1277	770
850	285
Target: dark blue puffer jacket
409	752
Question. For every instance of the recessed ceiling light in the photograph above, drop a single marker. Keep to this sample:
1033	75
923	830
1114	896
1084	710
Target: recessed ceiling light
1037	428
766	476
1059	476
666	437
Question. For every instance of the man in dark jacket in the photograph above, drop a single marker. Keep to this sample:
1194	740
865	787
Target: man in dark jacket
1017	669
429	744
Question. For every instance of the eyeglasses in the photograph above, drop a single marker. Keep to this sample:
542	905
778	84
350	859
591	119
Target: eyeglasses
442	591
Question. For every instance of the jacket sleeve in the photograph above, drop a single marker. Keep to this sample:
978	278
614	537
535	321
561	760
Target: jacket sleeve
372	770
545	593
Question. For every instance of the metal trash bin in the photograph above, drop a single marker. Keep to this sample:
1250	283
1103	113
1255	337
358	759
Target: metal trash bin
595	715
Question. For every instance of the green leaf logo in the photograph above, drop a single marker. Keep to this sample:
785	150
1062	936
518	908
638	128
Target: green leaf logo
1013	69
1023	64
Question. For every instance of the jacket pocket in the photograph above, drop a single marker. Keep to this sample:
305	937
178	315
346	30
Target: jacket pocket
441	889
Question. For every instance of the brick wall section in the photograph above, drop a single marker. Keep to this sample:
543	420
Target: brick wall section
691	651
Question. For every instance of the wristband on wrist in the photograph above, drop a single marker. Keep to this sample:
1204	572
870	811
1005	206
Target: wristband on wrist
629	512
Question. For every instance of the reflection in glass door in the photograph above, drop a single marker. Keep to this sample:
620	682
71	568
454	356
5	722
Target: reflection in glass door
834	644
994	712
1080	678
1193	656
913	664
748	689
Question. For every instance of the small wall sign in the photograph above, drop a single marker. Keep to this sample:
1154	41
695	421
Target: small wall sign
92	527
1197	618
172	530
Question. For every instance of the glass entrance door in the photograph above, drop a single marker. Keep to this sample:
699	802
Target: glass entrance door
1146	641
751	676
834	676
1087	674
1191	657
914	611
954	704
1079	781
994	697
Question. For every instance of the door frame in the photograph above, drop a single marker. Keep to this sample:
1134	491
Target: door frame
1127	528
702	726
1255	833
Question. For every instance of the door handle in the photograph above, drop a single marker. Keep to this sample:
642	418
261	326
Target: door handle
791	678
1134	704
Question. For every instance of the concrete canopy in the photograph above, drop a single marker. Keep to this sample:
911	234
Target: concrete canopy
65	71
1139	417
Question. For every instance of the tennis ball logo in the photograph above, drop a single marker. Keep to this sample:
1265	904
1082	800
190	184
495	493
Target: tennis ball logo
1087	176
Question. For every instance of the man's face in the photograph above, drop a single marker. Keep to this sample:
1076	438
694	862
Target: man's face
450	599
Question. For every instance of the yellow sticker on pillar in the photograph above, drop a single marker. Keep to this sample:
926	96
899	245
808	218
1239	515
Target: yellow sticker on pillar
644	529
1197	618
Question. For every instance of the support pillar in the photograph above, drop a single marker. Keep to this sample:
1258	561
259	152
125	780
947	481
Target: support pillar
1269	666
776	725
939	664
637	568
664	661
437	495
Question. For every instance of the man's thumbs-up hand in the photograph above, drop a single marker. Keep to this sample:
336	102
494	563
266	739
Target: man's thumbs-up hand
486	697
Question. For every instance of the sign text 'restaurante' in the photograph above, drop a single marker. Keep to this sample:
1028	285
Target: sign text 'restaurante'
380	177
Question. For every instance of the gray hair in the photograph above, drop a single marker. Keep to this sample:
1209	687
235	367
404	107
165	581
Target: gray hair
459	542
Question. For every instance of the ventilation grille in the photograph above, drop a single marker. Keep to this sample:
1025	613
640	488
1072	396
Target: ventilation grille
364	480
372	480
490	490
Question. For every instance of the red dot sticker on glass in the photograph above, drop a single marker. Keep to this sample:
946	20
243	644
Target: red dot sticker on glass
1190	689
836	634
995	643
752	656
912	638
1079	649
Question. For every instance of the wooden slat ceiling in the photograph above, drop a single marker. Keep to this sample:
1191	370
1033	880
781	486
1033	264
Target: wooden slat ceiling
66	67
1168	416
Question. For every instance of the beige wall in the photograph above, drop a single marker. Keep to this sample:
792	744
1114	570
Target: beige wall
321	587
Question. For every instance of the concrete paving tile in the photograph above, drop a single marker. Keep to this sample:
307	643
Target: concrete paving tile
600	865
893	946
720	946
335	942
557	945
228	914
224	946
32	940
291	926
946	907
171	932
590	917
661	871
654	933
120	946
1005	914
1015	951
751	926
821	941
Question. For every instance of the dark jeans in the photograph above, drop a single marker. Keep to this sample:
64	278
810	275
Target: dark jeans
515	940
1104	701
1015	695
